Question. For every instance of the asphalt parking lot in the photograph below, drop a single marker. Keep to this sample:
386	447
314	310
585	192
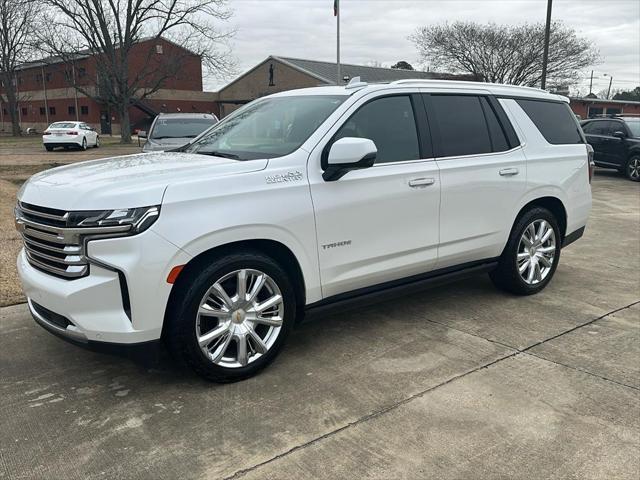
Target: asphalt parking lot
458	382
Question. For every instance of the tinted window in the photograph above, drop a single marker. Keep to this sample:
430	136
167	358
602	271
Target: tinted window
602	127
498	137
462	125
555	120
390	123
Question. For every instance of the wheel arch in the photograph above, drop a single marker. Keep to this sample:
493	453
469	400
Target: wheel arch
554	205
282	254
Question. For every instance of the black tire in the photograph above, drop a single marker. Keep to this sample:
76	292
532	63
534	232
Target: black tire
84	144
97	145
506	276
631	168
180	332
49	148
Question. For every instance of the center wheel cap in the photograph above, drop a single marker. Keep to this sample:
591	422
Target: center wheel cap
238	316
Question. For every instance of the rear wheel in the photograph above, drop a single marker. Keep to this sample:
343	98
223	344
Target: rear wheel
48	148
231	319
632	168
97	145
532	253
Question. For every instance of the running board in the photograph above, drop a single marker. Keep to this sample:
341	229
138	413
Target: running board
386	291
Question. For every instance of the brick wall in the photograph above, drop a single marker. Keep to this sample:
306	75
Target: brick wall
255	84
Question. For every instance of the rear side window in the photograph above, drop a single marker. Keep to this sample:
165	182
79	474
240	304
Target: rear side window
462	125
390	123
556	122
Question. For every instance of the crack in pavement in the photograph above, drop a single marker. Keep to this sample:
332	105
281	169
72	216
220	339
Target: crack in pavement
242	472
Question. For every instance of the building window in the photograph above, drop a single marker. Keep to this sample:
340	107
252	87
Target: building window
52	110
24	111
82	72
71	110
43	111
84	110
20	80
38	78
47	77
159	49
4	111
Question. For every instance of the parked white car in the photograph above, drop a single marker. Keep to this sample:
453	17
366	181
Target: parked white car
299	201
70	134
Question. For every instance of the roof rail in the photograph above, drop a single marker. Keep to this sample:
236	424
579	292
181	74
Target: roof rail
409	80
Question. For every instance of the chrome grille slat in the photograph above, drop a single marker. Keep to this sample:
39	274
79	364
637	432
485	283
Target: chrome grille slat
51	248
67	249
50	216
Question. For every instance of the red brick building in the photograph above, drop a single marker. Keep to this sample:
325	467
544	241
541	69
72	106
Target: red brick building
593	107
46	93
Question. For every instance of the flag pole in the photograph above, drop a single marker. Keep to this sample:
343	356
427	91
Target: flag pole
337	5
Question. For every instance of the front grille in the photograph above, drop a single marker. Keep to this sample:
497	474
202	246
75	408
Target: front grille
49	245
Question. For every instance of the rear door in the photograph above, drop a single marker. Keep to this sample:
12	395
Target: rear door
599	134
483	174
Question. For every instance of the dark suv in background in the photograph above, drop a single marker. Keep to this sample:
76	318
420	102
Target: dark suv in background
616	143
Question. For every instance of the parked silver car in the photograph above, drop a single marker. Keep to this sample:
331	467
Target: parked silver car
173	130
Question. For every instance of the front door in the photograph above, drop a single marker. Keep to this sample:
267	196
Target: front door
105	122
378	224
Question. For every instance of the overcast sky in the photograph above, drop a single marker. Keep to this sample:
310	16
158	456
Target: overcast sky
377	30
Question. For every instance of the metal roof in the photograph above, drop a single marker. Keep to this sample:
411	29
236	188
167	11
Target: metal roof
326	71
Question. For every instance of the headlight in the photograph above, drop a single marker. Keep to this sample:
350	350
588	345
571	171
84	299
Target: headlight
138	218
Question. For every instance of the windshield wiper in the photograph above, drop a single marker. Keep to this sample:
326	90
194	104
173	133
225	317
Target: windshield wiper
221	154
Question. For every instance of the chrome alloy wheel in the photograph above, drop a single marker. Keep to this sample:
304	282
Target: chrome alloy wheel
239	318
634	168
536	252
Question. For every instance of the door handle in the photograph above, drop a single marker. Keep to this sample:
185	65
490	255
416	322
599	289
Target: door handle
421	182
509	172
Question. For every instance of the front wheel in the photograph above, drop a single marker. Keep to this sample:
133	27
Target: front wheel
531	256
84	144
632	168
231	319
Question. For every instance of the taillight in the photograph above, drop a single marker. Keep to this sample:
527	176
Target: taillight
590	163
72	133
46	133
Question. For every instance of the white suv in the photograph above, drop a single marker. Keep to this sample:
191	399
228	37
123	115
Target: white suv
300	200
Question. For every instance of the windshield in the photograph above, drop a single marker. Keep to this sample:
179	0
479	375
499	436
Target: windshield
62	125
634	126
267	128
180	127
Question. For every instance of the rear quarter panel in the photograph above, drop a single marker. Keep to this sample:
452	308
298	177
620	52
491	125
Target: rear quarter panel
559	171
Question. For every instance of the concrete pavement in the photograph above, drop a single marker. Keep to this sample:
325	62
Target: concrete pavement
458	382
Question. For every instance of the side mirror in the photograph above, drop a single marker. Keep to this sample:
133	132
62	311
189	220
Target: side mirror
142	134
349	153
619	134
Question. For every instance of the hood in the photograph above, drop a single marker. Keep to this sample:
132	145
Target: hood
165	144
125	182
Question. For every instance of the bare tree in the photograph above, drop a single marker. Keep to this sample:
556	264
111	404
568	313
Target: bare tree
110	30
505	54
17	20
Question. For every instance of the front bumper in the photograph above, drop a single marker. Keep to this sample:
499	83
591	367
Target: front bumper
122	300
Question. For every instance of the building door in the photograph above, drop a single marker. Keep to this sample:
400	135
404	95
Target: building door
105	122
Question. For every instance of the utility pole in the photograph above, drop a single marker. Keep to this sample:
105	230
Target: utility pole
545	54
609	91
591	83
336	11
75	90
